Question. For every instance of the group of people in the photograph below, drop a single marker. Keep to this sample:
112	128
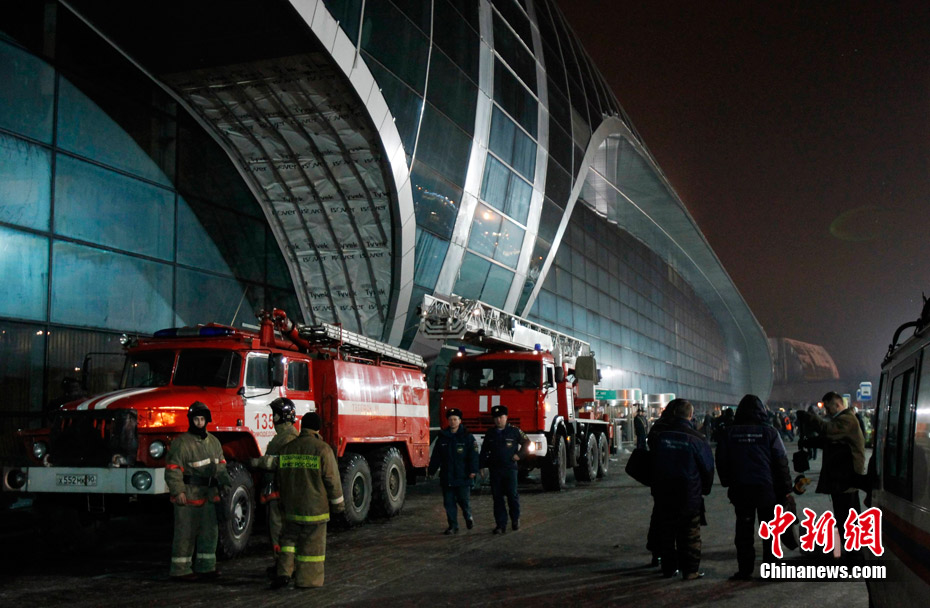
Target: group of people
752	463
303	485
302	489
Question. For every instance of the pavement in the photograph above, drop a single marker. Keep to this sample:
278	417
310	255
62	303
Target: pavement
583	545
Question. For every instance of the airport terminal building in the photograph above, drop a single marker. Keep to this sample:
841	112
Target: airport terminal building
180	163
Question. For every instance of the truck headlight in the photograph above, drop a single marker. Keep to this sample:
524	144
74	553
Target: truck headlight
39	449
532	447
156	449
15	479
141	480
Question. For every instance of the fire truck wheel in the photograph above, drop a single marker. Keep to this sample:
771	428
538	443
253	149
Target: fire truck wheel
390	482
356	487
603	460
553	472
237	507
587	464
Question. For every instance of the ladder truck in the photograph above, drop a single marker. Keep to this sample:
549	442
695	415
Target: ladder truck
544	377
101	453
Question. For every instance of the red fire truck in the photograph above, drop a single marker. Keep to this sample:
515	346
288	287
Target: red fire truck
104	451
544	377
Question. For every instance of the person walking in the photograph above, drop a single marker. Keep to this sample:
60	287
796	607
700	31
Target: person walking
753	464
284	415
308	480
195	470
502	449
682	473
455	456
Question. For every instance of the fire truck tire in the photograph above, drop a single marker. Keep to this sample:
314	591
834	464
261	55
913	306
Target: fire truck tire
237	508
553	472
356	487
603	460
389	479
587	463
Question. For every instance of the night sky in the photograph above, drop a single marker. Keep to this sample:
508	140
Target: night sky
798	136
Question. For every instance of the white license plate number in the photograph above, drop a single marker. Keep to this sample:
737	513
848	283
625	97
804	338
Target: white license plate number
75	480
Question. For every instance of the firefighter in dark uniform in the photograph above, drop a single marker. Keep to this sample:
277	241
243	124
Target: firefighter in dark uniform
284	415
455	456
195	472
502	449
308	480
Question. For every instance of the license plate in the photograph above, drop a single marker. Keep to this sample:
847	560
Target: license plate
75	480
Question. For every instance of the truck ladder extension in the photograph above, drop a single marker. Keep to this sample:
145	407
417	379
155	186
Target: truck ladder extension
334	336
475	322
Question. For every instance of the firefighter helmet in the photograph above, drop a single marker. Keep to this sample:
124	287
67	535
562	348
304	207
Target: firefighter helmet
198	408
284	410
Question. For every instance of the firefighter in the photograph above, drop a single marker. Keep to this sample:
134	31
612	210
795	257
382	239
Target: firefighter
502	449
284	415
308	480
455	456
195	472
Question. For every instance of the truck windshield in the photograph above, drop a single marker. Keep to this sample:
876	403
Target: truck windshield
219	368
495	374
151	368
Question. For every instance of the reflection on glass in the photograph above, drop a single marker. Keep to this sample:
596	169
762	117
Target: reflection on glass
24	268
25	183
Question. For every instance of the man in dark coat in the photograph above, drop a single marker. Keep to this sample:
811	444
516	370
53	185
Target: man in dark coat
639	427
501	450
753	464
682	473
455	456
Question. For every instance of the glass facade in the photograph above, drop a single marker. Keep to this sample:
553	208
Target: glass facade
97	238
120	212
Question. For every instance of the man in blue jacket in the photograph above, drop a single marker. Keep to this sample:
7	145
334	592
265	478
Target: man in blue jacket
455	455
753	464
682	473
501	450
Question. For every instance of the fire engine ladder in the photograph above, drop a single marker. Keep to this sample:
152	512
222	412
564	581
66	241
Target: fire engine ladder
333	336
475	322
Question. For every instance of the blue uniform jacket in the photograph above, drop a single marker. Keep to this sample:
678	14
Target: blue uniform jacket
682	464
751	459
500	445
455	455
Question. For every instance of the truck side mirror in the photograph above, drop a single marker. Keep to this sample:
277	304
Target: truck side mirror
276	369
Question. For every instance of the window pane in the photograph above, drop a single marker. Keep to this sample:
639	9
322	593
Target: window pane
508	46
496	182
84	128
497	286
452	92
26	97
430	254
443	146
515	98
100	206
453	36
24	268
395	42
509	243
298	376
519	195
97	288
404	103
25	183
435	201
471	276
485	231
203	298
22	355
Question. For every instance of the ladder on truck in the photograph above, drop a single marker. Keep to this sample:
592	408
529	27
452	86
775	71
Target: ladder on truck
327	335
475	322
